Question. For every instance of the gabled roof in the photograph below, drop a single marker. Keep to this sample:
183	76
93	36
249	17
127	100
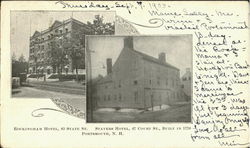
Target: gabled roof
59	23
187	74
56	23
106	79
36	33
153	59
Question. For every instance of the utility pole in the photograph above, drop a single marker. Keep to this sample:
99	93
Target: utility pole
151	82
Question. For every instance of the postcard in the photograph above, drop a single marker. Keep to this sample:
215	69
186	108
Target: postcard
124	74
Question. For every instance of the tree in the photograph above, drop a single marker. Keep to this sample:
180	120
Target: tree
13	57
101	28
21	58
58	56
75	51
19	66
73	48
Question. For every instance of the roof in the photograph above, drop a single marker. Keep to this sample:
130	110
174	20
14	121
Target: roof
108	78
57	24
187	74
36	33
154	60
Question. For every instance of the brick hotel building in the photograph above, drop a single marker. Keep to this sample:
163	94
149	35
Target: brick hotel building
41	46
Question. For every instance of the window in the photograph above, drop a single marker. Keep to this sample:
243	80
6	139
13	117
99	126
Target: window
120	97
56	31
160	98
158	80
184	79
150	81
66	30
108	97
135	82
104	98
136	97
166	82
120	84
60	31
189	78
115	97
182	86
173	82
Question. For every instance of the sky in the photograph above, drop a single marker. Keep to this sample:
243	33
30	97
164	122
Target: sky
24	23
178	50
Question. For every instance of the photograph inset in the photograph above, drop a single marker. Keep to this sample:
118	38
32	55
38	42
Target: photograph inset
139	78
48	51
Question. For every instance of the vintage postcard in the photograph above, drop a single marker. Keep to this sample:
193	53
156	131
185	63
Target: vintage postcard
125	74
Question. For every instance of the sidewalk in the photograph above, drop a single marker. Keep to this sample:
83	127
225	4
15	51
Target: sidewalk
70	87
30	92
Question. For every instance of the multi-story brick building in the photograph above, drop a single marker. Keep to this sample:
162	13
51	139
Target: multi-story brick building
137	80
44	43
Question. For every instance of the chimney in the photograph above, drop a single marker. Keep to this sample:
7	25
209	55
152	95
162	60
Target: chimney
162	57
128	42
109	65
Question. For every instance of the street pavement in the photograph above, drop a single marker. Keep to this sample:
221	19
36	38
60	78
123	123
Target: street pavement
30	92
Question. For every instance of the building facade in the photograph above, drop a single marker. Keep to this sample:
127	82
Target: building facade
46	47
186	83
137	80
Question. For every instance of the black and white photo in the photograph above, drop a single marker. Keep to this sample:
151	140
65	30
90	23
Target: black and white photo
139	78
48	51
